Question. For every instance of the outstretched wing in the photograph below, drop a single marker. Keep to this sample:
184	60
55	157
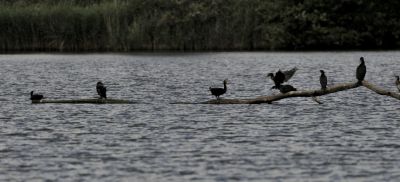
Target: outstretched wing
289	74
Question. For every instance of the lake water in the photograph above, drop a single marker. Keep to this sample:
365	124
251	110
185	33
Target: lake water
353	136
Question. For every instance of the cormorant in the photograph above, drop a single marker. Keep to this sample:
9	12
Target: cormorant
101	90
282	76
286	88
361	71
323	80
219	91
397	82
36	96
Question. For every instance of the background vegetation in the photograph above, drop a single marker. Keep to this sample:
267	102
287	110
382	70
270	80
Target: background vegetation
123	25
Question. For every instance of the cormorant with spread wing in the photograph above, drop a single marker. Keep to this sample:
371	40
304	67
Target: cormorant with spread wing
282	76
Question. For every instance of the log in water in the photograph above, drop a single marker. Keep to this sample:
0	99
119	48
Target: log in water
83	101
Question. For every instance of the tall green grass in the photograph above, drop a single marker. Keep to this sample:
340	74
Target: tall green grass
63	27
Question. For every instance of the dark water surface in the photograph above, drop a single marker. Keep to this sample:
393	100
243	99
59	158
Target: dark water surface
353	136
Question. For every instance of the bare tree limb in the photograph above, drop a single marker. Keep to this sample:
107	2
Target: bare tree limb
305	93
381	91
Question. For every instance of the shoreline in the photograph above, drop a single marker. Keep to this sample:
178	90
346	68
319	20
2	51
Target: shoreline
190	52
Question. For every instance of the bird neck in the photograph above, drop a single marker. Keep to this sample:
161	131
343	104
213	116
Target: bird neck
224	86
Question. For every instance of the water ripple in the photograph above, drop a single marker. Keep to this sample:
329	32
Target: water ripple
353	136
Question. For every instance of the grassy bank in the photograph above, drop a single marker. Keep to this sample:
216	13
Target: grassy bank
122	25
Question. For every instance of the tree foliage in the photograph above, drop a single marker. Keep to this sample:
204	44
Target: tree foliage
123	25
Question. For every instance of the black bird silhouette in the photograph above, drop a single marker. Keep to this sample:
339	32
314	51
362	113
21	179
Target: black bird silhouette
323	80
101	90
282	76
361	70
219	91
286	88
36	96
397	82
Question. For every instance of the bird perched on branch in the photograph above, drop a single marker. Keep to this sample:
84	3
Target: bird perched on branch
281	76
323	80
361	70
219	91
397	82
101	90
286	88
36	97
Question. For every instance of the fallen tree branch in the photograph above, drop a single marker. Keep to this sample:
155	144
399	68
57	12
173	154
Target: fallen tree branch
381	91
305	93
